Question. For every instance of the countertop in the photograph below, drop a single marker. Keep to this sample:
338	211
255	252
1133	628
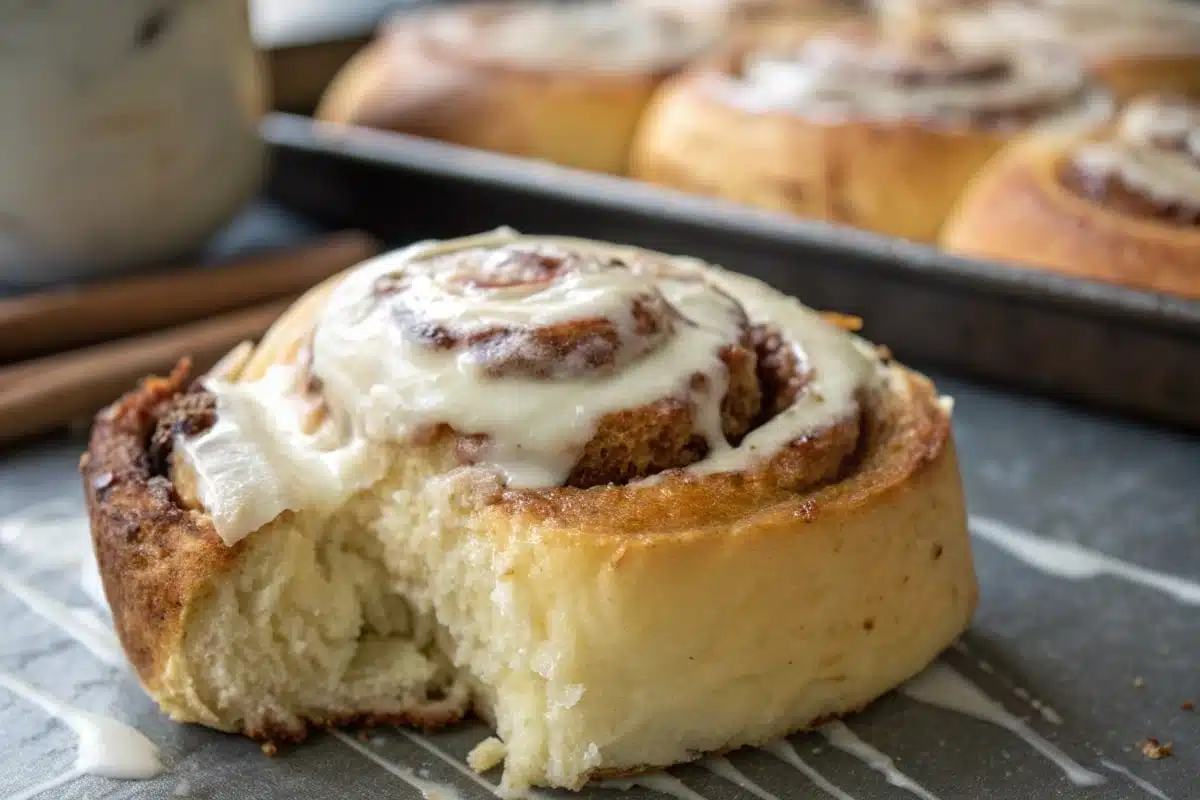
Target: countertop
1095	645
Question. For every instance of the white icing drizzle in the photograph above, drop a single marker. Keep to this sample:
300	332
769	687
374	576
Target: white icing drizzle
382	386
430	790
599	35
106	748
1156	152
840	363
80	624
1141	783
661	782
848	742
785	752
832	78
1066	560
940	685
723	768
54	535
1038	705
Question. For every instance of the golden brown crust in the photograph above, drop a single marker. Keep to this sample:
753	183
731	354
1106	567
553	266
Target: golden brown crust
407	83
1019	210
154	555
694	138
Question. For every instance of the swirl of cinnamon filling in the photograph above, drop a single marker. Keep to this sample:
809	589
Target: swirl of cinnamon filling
1150	168
558	361
545	363
599	35
922	74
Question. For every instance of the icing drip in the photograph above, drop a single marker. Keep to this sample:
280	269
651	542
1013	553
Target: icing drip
80	624
598	35
430	790
848	742
1070	561
107	748
933	77
941	686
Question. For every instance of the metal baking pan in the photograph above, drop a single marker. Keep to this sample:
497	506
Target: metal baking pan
1120	349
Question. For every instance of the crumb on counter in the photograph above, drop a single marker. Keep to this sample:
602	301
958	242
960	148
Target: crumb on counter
1187	706
1139	682
1155	750
270	749
487	754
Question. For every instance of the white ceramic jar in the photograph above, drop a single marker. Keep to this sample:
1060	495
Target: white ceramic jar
128	131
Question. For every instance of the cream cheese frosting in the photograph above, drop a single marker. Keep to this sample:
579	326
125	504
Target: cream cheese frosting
385	382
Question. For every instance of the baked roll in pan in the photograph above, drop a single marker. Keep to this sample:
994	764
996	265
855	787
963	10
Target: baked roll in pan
562	82
873	127
1121	205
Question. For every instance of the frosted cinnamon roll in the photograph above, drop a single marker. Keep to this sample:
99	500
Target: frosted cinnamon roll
1120	206
875	128
490	474
1133	47
560	82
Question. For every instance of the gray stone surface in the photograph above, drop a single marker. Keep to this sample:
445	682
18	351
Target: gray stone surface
1114	486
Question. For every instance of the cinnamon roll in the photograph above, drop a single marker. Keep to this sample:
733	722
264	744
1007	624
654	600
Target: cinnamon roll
1121	206
1133	47
561	82
872	127
504	473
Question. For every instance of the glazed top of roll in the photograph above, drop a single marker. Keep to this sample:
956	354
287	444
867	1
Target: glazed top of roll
1097	28
1150	164
863	72
595	35
542	363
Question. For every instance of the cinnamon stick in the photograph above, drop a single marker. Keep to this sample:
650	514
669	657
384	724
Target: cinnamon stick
55	321
40	395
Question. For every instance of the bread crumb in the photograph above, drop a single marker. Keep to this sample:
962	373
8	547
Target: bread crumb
270	749
1139	682
487	754
1188	706
1155	750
